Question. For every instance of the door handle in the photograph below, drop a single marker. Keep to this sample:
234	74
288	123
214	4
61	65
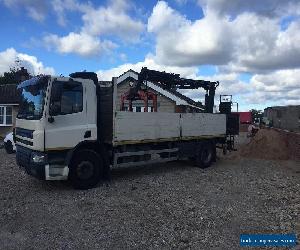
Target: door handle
87	134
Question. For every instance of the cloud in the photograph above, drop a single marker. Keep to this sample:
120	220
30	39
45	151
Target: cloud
182	42
269	8
150	63
248	43
282	86
60	8
9	57
181	2
36	10
113	20
99	25
123	57
78	43
260	44
229	85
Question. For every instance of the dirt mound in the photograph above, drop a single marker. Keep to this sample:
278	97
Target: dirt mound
273	144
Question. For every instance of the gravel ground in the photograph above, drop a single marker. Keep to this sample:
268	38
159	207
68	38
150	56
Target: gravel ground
165	206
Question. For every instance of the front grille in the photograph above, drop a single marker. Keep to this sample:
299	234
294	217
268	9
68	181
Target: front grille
23	156
30	143
24	132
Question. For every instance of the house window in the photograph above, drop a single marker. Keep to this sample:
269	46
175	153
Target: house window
2	115
9	115
5	115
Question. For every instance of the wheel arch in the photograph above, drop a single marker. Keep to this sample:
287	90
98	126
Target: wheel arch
96	146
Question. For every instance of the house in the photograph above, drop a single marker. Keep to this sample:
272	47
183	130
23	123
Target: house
159	99
284	117
9	106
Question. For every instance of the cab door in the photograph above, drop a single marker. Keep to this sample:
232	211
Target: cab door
66	124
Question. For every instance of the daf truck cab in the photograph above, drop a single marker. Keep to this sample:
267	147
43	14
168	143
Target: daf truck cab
56	114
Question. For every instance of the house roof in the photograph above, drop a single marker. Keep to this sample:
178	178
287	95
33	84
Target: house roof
9	94
174	95
282	107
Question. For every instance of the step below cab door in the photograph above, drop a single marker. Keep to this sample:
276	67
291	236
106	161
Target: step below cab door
66	123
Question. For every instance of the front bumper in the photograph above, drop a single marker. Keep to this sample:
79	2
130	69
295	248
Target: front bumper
26	158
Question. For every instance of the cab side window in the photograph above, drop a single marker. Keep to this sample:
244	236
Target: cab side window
66	98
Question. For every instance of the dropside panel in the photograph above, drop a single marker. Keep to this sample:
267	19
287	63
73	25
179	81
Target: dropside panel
202	124
136	127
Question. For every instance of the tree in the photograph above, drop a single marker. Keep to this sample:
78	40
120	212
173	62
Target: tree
15	76
256	115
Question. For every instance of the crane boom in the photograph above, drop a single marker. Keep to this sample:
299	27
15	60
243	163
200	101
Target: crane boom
174	81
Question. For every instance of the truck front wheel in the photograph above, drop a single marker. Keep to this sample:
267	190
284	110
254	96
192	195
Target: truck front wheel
205	155
86	169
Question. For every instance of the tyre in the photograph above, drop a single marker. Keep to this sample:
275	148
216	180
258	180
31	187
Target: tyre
205	155
86	169
8	147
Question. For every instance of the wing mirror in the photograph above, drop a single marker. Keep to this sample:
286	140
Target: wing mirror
56	92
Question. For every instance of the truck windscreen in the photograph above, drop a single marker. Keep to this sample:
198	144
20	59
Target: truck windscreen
32	97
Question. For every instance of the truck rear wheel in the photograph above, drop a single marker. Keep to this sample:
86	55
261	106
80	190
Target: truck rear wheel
205	155
86	169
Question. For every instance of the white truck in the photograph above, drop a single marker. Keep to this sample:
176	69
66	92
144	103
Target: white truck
70	128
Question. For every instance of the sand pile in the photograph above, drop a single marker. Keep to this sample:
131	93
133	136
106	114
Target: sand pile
273	144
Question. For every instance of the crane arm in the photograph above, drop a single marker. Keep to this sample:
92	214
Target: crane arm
174	81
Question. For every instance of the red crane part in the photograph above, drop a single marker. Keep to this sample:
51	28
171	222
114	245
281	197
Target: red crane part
140	95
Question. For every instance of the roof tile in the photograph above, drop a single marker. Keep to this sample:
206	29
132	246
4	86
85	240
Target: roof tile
9	94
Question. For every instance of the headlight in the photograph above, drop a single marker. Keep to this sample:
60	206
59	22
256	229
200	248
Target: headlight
38	157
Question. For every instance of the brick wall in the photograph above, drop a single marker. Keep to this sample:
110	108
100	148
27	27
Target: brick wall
285	117
164	104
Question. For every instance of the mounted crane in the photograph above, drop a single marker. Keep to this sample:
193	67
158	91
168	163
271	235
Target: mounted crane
170	81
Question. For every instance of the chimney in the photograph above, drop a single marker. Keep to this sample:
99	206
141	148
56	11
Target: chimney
22	75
